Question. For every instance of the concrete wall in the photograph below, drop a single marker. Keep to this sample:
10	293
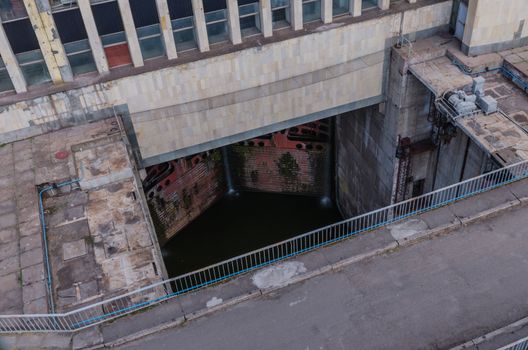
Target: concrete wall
365	150
494	25
187	108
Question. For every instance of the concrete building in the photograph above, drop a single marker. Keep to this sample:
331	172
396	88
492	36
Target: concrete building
346	99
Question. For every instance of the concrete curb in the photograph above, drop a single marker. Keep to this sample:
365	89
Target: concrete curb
422	236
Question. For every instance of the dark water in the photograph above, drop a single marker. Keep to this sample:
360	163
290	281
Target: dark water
241	223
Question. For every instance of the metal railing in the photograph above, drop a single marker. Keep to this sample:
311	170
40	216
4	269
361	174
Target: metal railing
164	290
521	344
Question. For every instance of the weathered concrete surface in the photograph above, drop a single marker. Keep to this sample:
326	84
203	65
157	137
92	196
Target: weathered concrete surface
99	241
427	296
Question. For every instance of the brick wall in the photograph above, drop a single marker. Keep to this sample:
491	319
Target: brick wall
180	190
294	160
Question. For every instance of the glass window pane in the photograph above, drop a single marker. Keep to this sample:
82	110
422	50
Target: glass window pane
11	9
339	7
182	23
249	9
112	39
217	32
280	18
368	4
184	40
82	63
152	47
215	16
5	80
249	19
279	3
311	10
35	73
148	31
77	46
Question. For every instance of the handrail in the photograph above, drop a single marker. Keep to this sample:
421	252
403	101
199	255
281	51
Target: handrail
155	293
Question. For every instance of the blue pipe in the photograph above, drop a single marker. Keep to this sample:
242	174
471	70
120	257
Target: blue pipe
45	239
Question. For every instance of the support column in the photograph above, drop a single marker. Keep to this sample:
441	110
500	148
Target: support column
355	7
200	28
296	10
166	29
11	63
266	20
39	13
233	18
131	33
326	11
384	4
93	36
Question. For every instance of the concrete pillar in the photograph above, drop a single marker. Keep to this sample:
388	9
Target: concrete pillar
131	33
93	36
384	4
296	10
11	63
266	20
355	7
166	29
39	13
233	19
326	11
200	28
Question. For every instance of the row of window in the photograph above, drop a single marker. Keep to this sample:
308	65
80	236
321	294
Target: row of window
110	27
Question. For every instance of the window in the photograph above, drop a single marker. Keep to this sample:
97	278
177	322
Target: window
340	7
150	41
311	10
182	24
146	20
110	27
216	22
369	4
25	46
12	9
5	80
75	40
280	13
249	18
33	67
183	29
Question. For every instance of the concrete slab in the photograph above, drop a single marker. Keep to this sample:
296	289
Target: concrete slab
439	217
467	208
519	189
166	312
74	249
356	245
197	301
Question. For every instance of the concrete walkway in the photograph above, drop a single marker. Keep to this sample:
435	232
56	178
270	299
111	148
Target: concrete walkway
368	292
431	295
